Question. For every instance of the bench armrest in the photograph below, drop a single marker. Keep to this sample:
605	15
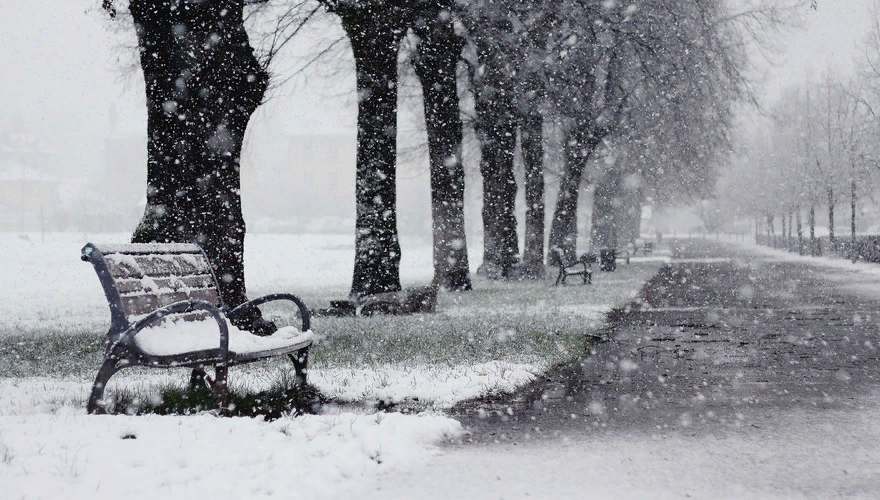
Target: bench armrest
247	306
182	307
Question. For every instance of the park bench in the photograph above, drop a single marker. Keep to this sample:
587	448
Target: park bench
583	266
412	300
166	312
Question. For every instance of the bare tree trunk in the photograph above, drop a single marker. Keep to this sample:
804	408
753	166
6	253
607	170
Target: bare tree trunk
783	226
606	201
831	216
577	149
375	37
531	141
196	60
812	220
757	230
496	129
436	63
855	246
800	232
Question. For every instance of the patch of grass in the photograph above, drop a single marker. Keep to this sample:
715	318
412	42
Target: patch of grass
281	400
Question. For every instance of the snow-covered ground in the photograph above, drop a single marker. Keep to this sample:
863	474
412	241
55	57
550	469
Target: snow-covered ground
71	455
49	447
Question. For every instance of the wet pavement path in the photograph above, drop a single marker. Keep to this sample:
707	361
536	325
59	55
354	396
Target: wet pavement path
719	337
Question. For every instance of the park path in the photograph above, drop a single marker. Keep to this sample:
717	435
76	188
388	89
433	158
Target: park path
733	375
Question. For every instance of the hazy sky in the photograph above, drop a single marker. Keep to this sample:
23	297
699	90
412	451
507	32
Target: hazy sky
59	74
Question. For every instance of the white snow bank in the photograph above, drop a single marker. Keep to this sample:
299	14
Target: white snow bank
175	337
71	455
832	262
440	385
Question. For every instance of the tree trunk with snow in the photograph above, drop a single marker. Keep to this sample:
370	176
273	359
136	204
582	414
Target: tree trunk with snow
496	130
812	222
577	149
375	35
628	218
203	83
831	216
855	246
531	143
439	50
606	202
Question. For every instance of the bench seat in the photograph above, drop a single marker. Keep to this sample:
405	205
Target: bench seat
174	338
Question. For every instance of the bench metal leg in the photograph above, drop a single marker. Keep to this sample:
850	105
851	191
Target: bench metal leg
219	387
300	361
198	379
96	399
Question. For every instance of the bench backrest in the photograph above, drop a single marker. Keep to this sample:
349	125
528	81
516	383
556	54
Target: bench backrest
140	278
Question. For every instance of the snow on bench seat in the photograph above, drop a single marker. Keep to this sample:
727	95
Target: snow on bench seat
178	337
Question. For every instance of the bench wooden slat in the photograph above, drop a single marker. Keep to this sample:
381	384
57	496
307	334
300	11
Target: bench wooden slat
149	248
137	266
140	304
184	283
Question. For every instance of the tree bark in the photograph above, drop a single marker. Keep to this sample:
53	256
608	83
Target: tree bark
831	216
800	232
531	142
563	229
375	38
855	247
436	64
812	222
606	202
496	129
628	219
203	83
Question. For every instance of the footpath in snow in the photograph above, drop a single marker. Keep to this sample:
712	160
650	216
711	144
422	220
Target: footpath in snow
742	373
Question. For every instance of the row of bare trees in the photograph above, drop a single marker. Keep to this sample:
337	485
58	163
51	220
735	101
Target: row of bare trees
648	84
819	147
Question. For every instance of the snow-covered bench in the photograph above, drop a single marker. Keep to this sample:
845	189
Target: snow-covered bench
166	312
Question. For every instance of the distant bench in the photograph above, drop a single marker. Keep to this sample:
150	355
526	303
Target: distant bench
412	300
166	312
583	266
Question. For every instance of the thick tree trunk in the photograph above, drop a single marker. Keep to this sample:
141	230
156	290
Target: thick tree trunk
439	51
496	129
531	142
563	229
375	40
606	203
628	219
800	232
203	83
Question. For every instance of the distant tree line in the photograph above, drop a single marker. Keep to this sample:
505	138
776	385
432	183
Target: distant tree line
819	147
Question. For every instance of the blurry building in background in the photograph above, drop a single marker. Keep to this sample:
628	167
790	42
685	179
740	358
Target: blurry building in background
29	196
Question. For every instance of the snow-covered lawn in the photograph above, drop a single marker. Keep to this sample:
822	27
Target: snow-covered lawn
52	322
73	456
